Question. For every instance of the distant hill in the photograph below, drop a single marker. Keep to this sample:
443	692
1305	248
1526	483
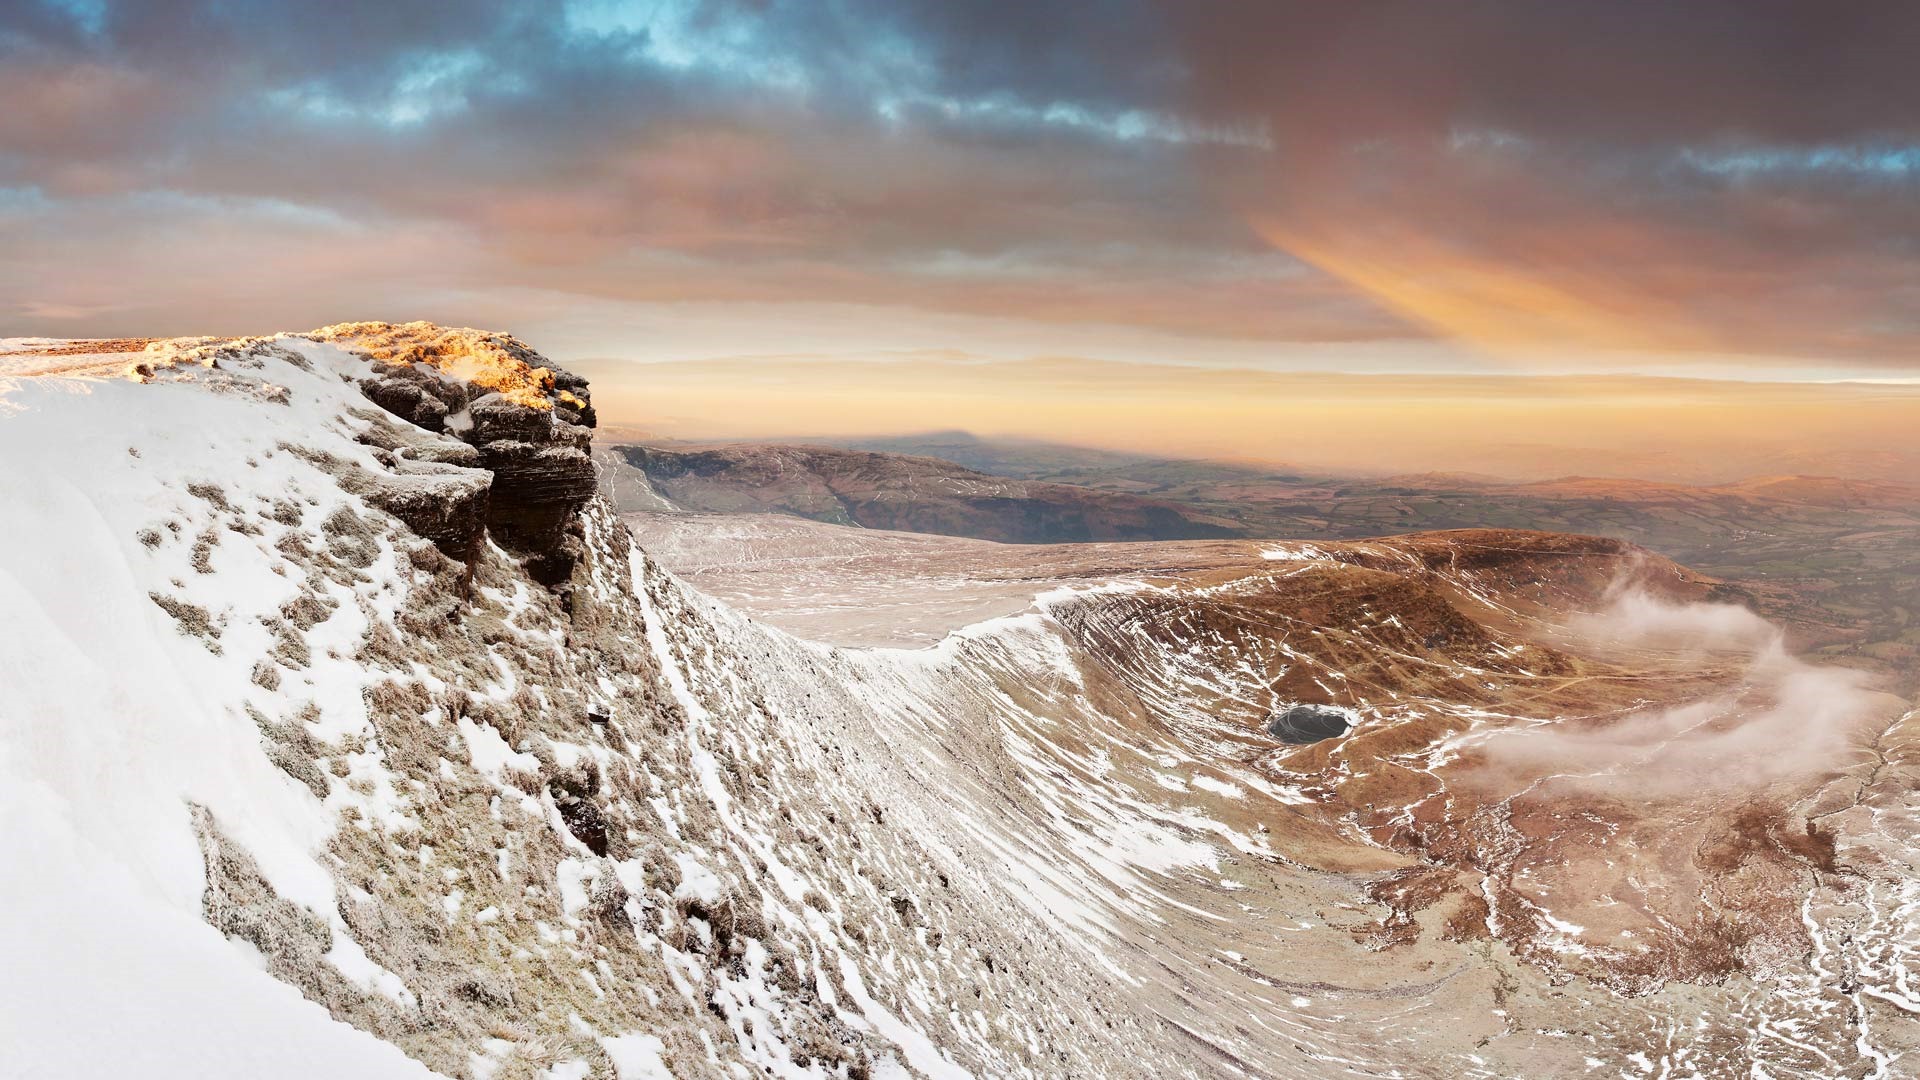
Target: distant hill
895	491
1831	557
1063	463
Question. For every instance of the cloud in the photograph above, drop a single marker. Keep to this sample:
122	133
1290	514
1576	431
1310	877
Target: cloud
1781	720
1624	76
1713	176
1524	177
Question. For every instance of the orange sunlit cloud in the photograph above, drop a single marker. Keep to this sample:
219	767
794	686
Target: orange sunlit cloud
1510	307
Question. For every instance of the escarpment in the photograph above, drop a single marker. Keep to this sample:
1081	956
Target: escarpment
609	829
526	422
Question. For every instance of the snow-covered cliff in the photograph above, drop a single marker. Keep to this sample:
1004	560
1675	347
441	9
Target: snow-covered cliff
263	739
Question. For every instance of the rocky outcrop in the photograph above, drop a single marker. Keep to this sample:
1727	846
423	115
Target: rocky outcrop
526	422
418	397
542	477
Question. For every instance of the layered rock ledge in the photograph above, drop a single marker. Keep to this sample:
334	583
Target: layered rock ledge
526	421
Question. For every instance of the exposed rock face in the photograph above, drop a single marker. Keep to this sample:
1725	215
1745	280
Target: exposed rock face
526	422
448	508
435	486
543	477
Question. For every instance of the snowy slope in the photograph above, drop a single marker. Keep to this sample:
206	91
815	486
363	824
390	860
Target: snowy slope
238	695
111	728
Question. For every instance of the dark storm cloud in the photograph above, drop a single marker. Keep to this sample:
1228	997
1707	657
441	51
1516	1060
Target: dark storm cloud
1711	176
774	114
1611	73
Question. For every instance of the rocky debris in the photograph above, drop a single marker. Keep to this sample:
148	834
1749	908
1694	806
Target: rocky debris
529	424
573	794
1303	724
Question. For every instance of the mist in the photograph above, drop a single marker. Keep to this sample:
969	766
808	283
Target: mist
1780	721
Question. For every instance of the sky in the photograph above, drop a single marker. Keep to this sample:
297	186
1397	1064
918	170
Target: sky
1708	189
1521	427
